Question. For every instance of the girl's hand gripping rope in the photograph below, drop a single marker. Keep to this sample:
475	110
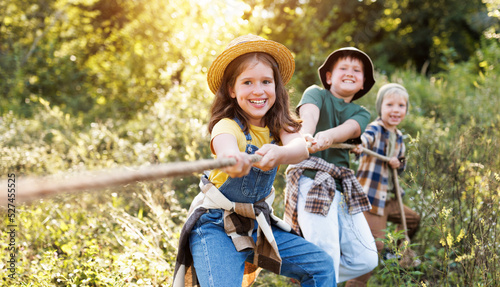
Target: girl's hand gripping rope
270	157
292	151
225	146
242	166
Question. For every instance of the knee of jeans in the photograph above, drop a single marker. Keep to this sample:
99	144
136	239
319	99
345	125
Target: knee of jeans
327	264
371	261
367	261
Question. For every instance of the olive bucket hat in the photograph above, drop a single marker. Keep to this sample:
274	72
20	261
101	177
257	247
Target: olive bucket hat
349	52
250	44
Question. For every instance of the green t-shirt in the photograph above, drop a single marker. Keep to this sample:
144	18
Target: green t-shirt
332	113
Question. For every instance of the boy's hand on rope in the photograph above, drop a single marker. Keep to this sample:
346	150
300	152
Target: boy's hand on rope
310	141
320	142
358	149
394	162
242	166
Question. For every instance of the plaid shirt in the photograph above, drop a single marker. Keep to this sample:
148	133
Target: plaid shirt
322	192
373	173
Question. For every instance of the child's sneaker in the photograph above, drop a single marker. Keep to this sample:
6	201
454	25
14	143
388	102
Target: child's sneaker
409	258
387	255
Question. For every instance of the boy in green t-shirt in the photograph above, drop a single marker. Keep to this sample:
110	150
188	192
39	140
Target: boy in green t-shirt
324	201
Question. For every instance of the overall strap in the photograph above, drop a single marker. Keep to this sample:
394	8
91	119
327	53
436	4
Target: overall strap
247	133
273	141
248	137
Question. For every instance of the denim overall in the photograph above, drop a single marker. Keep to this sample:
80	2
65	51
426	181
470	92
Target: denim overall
219	264
252	187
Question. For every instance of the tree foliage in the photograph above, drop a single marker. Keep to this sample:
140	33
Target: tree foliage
97	58
426	35
105	58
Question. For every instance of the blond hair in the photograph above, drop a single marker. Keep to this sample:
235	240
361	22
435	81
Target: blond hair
391	89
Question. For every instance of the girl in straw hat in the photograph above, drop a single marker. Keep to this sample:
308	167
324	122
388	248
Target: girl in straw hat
231	231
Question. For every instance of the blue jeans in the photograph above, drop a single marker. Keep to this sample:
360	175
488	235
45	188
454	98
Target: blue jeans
347	238
217	262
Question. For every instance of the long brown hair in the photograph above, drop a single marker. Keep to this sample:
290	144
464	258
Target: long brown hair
278	118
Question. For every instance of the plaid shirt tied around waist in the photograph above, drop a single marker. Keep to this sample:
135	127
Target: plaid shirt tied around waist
322	192
239	224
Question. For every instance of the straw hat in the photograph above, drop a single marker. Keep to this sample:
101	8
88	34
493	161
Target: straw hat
249	44
367	67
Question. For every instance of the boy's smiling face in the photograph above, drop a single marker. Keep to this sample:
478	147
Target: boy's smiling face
346	78
393	110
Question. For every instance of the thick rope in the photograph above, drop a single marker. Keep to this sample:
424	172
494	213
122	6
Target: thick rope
28	189
365	150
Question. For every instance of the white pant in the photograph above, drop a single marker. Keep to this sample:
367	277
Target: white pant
346	238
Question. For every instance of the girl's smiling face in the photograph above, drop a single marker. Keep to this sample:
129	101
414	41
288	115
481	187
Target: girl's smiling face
255	91
393	110
346	78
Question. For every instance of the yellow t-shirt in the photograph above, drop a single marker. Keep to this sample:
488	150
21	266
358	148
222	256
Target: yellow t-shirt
260	136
